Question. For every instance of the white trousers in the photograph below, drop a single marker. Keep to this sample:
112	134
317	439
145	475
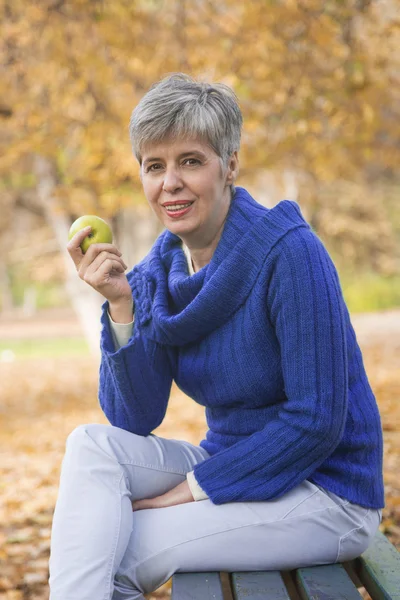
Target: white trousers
102	550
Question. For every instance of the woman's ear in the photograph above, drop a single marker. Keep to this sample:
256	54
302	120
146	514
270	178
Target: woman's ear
233	168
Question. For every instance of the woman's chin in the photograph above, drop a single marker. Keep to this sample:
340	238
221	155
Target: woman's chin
179	227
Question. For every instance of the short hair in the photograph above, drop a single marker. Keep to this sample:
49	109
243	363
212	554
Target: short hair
179	106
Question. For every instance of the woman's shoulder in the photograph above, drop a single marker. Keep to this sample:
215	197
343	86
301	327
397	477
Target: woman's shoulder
300	261
301	252
286	234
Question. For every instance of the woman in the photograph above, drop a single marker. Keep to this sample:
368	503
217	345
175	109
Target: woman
241	306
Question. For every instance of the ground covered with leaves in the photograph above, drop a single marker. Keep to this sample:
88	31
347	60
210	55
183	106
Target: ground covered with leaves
45	398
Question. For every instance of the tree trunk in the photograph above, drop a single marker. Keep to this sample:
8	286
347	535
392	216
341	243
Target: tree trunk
29	306
135	230
7	301
84	299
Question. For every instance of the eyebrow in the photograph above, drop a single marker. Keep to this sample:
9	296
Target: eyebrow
190	153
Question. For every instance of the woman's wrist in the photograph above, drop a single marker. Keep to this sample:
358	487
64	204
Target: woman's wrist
121	311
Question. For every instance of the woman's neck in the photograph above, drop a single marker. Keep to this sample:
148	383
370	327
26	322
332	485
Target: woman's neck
201	256
201	251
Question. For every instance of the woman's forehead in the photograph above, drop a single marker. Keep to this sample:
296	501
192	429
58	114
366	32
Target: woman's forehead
175	146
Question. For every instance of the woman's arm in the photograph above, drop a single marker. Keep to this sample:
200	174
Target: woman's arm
121	333
307	310
135	380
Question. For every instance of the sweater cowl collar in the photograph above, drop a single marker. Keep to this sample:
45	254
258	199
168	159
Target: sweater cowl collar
175	308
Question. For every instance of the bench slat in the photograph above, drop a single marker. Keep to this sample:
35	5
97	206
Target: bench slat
197	586
379	569
259	585
327	582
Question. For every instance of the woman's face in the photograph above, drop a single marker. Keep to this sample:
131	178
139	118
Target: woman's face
187	187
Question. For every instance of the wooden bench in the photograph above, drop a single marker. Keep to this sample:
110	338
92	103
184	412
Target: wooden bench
377	569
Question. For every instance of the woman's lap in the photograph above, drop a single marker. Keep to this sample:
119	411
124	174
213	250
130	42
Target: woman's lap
305	526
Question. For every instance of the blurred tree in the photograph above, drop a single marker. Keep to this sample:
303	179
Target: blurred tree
318	83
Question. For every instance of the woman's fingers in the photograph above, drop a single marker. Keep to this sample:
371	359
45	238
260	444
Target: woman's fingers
94	252
95	249
74	245
147	503
84	260
98	276
177	495
101	266
141	504
98	261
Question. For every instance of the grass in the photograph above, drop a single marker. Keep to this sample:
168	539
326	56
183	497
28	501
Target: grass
363	292
37	348
369	292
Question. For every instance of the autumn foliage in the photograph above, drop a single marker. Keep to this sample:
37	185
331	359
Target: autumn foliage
318	84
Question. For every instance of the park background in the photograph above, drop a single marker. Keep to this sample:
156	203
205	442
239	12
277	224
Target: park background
318	83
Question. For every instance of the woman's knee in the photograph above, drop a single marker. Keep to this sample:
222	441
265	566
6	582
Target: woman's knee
95	431
105	439
80	434
85	441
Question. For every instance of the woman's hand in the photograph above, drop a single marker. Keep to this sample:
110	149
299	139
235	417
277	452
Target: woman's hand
178	495
101	267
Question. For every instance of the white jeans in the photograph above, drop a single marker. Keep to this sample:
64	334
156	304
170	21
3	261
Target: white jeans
102	550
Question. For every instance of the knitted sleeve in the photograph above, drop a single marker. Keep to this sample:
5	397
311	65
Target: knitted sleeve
306	308
135	380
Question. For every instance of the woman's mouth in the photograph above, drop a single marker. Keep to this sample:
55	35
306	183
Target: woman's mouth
178	209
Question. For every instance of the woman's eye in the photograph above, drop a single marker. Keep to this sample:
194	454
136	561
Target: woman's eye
191	162
150	168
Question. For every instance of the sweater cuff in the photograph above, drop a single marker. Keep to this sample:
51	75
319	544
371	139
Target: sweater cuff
197	492
121	332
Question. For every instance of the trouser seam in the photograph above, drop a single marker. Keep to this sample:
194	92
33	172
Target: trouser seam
299	504
131	462
344	536
109	578
121	475
145	466
153	556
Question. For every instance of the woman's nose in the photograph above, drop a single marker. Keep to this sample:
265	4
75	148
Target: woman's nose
172	181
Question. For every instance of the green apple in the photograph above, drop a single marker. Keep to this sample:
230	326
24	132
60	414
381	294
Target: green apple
100	233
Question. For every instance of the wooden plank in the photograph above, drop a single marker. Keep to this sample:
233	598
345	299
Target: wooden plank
379	569
196	586
259	585
326	582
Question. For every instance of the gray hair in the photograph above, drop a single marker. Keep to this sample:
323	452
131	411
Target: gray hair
180	107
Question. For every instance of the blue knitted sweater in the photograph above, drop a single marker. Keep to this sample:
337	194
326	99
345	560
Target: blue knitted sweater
261	337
